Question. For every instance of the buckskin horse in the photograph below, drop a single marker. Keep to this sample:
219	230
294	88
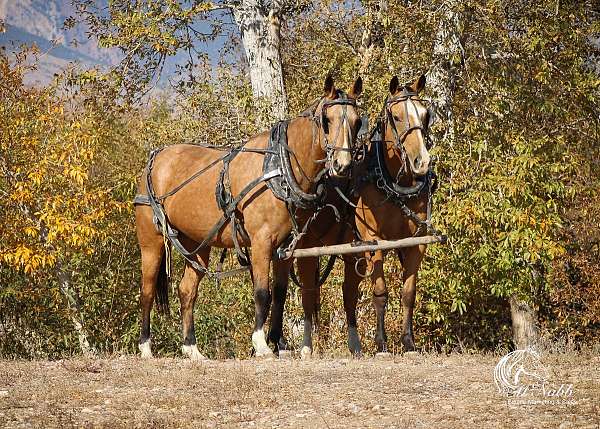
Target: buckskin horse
391	193
264	191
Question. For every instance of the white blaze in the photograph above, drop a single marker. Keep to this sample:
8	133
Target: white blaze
414	115
347	141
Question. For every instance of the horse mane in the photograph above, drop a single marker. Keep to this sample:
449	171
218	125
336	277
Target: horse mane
310	110
312	107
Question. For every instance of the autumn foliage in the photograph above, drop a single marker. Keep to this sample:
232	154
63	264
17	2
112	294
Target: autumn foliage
54	208
518	195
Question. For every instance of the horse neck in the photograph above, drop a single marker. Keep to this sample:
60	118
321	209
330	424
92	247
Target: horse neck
305	152
394	161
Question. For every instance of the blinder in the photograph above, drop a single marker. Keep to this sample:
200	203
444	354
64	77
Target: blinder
341	100
364	126
406	96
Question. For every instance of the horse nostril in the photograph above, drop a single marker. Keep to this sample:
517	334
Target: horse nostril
418	161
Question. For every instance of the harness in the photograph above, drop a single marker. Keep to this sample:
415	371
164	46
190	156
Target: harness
277	174
284	186
379	174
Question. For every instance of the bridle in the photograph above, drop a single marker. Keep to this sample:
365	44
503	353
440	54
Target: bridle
407	96
322	121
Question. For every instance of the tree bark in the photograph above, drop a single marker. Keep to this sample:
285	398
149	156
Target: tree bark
446	59
524	324
64	281
260	27
372	36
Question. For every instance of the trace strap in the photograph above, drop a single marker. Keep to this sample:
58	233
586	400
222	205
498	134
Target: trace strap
278	175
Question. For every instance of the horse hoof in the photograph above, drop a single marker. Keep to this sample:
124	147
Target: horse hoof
193	353
259	343
306	353
146	350
383	355
264	354
408	343
285	355
357	354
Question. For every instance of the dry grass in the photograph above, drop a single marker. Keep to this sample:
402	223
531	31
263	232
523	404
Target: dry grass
427	390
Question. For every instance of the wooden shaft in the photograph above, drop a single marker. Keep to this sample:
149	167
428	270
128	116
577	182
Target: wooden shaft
361	247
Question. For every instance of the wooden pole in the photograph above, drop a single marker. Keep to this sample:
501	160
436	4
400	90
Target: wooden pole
361	247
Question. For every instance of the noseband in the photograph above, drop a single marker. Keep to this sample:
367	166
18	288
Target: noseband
323	122
405	97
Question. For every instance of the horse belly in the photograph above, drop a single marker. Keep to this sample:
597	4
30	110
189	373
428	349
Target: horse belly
194	213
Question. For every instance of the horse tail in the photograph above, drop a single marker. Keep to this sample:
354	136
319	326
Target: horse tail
162	287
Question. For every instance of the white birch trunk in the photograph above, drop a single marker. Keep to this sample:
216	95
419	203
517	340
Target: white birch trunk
260	27
64	281
371	37
445	61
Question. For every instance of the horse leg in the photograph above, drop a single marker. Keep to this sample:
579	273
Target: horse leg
308	271
350	290
411	260
152	251
281	272
380	298
261	259
188	291
151	266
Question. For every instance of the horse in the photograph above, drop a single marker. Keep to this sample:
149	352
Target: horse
274	176
391	192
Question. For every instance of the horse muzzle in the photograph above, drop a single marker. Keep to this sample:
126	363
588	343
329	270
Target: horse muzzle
420	165
340	170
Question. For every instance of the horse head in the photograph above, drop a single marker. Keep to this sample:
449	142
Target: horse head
408	119
339	121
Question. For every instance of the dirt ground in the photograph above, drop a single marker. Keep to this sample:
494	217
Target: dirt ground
420	391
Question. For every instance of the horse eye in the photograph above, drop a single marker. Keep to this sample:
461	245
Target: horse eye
396	118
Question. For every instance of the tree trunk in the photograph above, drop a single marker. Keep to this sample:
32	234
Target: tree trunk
445	61
524	324
260	28
64	280
372	36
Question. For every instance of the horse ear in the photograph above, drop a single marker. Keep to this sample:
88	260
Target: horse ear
419	84
329	87
356	88
394	84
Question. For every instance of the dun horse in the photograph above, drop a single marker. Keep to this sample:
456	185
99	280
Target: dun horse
392	190
264	189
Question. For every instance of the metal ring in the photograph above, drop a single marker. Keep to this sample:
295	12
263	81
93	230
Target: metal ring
366	274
